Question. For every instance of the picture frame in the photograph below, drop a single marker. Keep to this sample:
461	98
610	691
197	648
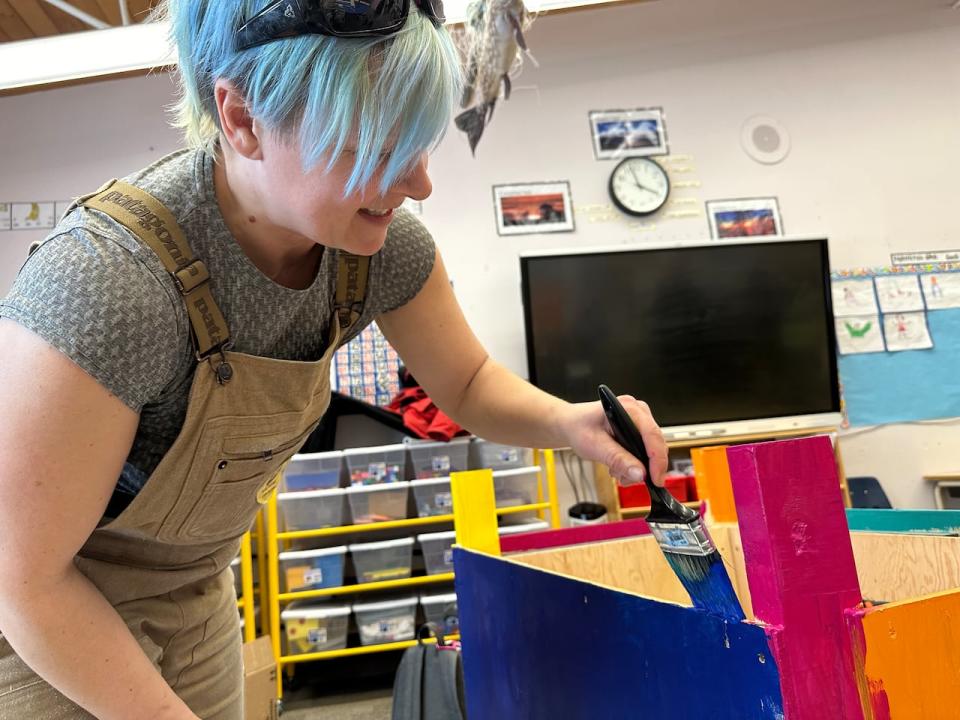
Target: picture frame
533	208
619	134
744	217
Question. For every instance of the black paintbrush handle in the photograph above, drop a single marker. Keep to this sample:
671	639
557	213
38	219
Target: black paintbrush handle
663	506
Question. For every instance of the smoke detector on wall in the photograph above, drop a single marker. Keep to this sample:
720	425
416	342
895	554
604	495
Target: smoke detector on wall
765	140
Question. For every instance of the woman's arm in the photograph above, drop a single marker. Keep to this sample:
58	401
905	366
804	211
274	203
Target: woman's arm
435	342
63	442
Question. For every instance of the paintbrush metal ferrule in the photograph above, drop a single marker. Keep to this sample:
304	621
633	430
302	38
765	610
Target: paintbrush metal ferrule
686	538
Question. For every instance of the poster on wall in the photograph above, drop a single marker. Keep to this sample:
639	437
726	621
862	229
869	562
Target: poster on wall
899	293
853	297
31	215
5	216
748	217
533	208
859	334
941	291
628	133
907	331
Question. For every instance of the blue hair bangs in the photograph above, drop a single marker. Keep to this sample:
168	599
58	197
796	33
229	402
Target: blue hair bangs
387	99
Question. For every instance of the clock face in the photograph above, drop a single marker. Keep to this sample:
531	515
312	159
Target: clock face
639	186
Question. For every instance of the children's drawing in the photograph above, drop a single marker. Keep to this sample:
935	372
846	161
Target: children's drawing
907	331
941	290
853	297
33	215
859	334
899	293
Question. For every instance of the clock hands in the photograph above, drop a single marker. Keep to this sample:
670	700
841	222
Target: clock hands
636	181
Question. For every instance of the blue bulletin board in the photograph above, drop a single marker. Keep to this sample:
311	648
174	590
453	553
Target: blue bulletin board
883	386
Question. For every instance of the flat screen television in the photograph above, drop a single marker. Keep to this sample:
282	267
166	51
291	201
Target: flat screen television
719	337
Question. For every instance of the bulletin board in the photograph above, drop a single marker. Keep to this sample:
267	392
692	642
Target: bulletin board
898	334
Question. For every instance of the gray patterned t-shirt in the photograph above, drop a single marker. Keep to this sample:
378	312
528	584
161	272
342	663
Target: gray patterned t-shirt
102	297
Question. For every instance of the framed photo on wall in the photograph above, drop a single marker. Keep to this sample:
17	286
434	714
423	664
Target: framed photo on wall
530	208
628	133
751	217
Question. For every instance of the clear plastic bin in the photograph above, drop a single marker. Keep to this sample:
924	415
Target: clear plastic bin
237	581
442	611
312	509
432	496
500	457
437	551
438	459
386	621
314	471
524	528
516	487
318	628
386	560
312	569
375	465
378	503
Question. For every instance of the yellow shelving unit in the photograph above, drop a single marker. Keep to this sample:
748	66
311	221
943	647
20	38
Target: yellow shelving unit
544	465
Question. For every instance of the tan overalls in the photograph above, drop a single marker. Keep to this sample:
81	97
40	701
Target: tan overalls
163	563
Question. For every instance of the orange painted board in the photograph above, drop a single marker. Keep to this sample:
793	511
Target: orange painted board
712	473
908	664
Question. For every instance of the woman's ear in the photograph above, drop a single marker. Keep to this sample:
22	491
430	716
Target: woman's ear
238	127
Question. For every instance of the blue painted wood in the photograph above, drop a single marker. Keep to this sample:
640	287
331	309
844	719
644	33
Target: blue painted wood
538	646
932	522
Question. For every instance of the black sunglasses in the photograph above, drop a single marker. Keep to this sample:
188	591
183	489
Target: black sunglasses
339	18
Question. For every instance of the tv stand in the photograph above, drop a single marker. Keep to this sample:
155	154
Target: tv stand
607	486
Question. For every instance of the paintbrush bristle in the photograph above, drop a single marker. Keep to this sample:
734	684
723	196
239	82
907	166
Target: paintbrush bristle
706	581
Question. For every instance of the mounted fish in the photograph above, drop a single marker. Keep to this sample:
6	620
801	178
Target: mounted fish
494	37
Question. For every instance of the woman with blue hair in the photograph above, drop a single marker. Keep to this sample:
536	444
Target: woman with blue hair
167	348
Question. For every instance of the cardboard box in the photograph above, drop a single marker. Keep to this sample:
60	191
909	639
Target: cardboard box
259	680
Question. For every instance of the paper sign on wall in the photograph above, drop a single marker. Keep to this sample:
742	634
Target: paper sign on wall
941	291
899	293
5	216
853	297
907	331
31	215
859	334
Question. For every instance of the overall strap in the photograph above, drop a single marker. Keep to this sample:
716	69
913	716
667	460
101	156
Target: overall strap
351	288
147	218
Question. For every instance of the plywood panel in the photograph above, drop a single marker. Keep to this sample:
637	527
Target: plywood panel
900	566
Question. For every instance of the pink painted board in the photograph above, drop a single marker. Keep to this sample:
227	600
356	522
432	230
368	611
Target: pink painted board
573	535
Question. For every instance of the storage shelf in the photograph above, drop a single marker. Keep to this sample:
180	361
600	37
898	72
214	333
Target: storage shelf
366	587
643	510
361	650
395	524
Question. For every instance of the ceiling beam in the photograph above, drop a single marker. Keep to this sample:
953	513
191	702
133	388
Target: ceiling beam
34	16
79	14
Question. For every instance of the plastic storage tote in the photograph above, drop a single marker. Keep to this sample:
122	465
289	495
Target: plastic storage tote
500	457
312	509
432	496
378	503
315	471
312	569
386	560
318	628
386	621
437	551
442	611
516	487
375	465
439	459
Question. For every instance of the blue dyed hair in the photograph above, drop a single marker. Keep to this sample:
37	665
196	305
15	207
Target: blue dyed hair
392	94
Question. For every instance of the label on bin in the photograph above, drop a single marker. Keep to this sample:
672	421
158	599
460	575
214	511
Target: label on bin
317	636
377	471
313	576
440	464
448	556
510	455
443	500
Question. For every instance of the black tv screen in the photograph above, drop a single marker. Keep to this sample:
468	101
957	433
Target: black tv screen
709	333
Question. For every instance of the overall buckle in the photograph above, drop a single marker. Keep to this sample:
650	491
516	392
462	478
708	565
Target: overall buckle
221	366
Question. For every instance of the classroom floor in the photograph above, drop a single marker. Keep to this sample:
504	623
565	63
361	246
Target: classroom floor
351	691
370	705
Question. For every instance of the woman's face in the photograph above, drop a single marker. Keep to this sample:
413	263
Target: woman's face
313	206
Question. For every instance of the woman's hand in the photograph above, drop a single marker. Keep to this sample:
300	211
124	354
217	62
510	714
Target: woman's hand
589	434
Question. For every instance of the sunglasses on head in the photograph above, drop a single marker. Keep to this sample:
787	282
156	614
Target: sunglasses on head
339	18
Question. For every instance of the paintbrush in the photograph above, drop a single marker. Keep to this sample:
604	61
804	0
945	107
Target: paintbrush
679	530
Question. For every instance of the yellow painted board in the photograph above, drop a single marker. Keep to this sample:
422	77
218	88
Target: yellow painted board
475	511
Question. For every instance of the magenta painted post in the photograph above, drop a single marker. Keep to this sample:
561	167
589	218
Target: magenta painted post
801	570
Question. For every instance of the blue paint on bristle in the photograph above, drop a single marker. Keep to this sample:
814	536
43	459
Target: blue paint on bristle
706	581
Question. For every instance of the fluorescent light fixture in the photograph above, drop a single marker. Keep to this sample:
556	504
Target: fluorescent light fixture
100	54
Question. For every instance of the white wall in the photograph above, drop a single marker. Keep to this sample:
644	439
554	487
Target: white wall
868	91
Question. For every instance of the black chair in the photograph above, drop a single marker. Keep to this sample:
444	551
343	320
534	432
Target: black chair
865	492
